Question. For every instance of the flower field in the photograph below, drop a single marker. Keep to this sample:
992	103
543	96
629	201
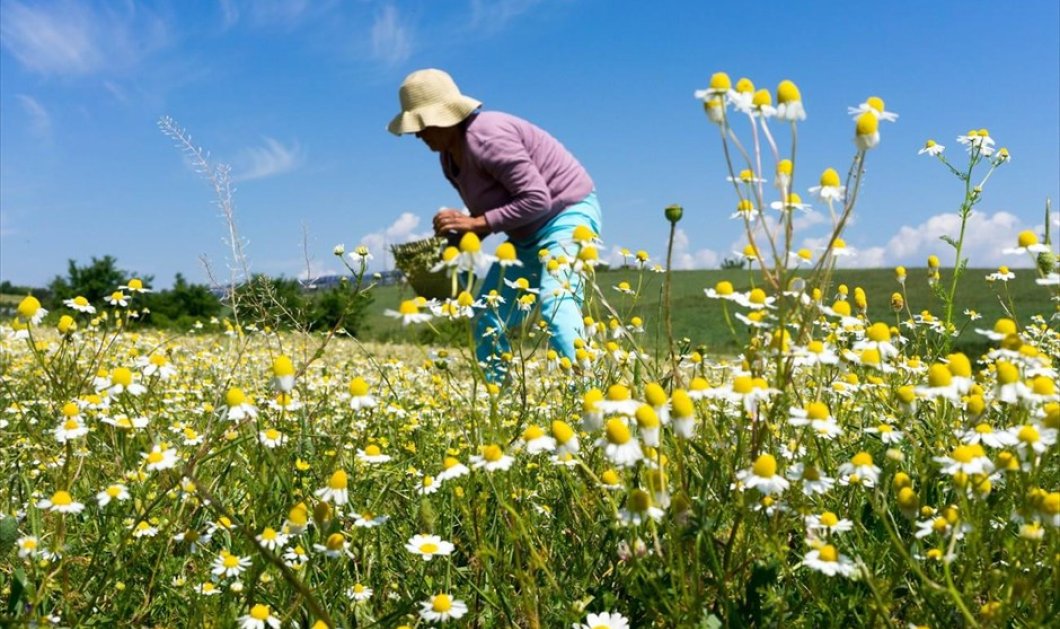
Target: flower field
838	470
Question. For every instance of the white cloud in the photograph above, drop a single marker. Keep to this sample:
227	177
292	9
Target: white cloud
267	161
40	122
494	15
391	39
403	229
70	38
684	259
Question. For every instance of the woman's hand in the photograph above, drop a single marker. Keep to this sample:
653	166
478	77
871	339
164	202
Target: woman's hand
448	220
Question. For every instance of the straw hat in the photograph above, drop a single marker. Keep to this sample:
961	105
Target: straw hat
430	98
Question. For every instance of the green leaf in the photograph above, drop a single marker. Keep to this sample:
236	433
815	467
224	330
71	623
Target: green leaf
18	585
950	241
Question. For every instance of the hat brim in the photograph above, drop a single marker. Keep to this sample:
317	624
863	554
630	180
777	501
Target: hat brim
436	115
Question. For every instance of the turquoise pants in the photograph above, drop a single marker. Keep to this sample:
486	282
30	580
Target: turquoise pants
560	309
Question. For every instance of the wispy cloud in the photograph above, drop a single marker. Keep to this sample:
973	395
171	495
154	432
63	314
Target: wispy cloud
493	15
392	39
269	160
73	38
40	122
403	229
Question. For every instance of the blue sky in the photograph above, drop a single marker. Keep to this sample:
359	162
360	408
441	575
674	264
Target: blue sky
295	96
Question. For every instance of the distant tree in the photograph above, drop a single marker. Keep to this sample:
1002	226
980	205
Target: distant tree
340	305
273	302
93	281
182	305
733	264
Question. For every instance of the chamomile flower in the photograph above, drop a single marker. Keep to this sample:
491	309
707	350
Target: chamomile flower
428	485
1003	328
1009	388
272	539
408	312
534	440
755	299
639	509
336	490
506	255
161	457
966	459
122	380
258	617
372	454
491	458
369	520
983	433
829	561
931	148
722	290
144	529
604	620
117	299
80	304
117	491
71	425
866	131
335	546
817	416
648	425
878	337
618	401
272	438
452	468
360	396
830	188
940	384
565	438
1027	242
1003	274
358	592
135	285
745	176
1030	438
471	255
239	406
442	607
793	202
859	470
873	105
828	523
720	84
620	447
28	546
789	102
763	476
61	502
429	546
813	481
228	565
746	210
887	432
978	140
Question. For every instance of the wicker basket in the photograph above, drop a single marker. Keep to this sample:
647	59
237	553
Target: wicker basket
415	260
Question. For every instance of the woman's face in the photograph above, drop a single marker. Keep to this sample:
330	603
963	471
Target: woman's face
438	138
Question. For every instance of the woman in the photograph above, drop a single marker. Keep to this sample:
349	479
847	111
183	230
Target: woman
514	178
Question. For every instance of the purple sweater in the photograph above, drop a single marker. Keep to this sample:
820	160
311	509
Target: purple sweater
515	174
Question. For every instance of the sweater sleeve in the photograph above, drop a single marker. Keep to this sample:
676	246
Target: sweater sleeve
506	159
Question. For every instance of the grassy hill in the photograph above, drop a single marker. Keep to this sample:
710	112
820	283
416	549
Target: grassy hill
700	319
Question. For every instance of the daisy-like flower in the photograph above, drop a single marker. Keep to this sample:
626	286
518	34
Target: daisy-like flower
28	546
866	131
117	491
283	373
135	285
565	438
258	617
506	255
828	523
359	592
618	401
984	433
429	546
878	337
239	407
604	620
793	202
71	426
121	380
829	188
755	299
813	481
966	459
336	490
534	440
80	304
335	546
1010	388
942	524
720	84
1031	438
789	102
471	255
360	255
452	468
143	529
829	561
817	416
272	438
492	458
442	607
932	148
1003	328
742	96
1003	274
682	414
427	485
801	257
887	432
722	290
29	310
1050	279
225	564
940	384
746	210
1027	242
859	470
61	502
449	262
117	299
639	509
272	539
160	458
762	475
978	139
745	176
372	454
360	396
408	312
295	557
620	447
648	425
873	105
369	520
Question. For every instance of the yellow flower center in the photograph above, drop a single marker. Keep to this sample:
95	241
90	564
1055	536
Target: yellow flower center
829	519
745	86
428	548
533	432
230	561
959	365
449	254
723	288
830	178
492	453
235	397
136	284
282	366
875	102
335	541
867	124
862	459
765	466
1029	434
1027	238
408	307
358	387
788	92
720	81
817	410
1007	373
757	296
121	376
469	243
610	477
155	456
842	308
879	332
654	394
373	450
450	462
639	501
80	301
646	417
828	553
506	252
871	356
618	393
338	480
762	98
939	375
441	603
62	499
1043	385
742	385
28	306
617	431
1005	326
